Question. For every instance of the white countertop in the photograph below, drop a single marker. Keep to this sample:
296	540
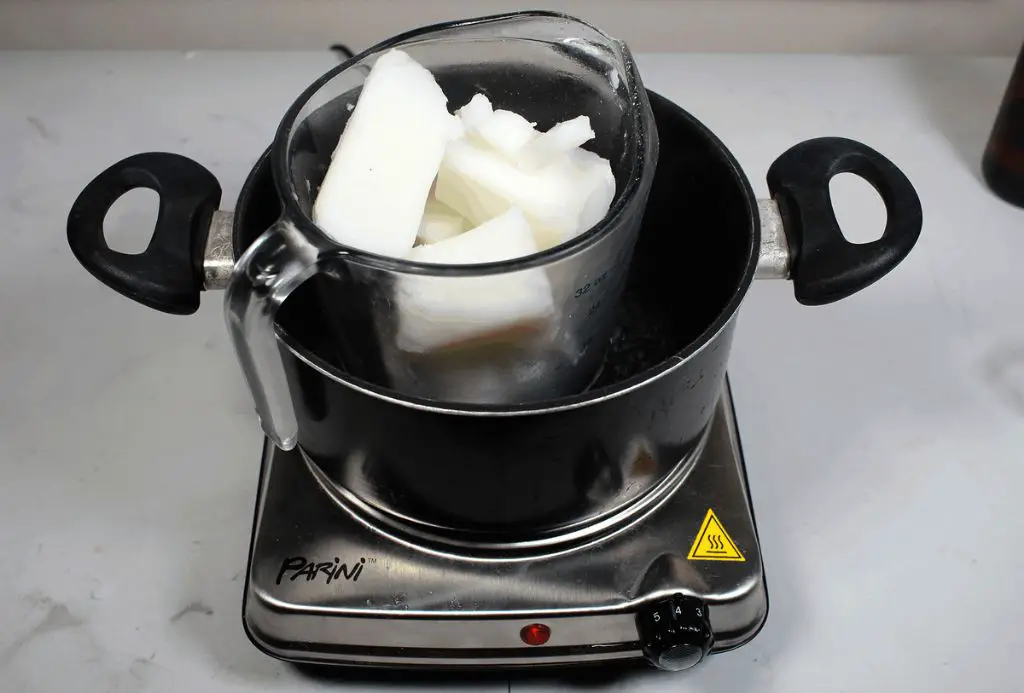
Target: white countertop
883	434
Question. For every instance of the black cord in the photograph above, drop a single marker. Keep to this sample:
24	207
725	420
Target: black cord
343	50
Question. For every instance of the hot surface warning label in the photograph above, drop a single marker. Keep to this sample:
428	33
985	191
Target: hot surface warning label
713	543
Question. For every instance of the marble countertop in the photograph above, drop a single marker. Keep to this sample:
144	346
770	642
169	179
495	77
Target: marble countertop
883	433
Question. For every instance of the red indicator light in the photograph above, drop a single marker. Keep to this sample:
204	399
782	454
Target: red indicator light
535	634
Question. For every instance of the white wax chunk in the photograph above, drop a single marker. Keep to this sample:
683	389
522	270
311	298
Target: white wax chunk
556	142
457	185
560	200
436	312
439	223
505	132
596	187
504	237
475	112
373	195
481	184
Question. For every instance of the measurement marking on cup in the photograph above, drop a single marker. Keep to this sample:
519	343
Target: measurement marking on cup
585	289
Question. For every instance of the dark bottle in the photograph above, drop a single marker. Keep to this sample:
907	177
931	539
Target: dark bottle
1003	162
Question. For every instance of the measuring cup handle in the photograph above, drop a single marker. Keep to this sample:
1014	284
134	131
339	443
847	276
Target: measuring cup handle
824	266
276	264
168	274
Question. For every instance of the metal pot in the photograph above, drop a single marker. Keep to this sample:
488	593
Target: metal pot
510	475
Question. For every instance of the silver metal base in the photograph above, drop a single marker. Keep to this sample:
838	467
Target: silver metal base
326	585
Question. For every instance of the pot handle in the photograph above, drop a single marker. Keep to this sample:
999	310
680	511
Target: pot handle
168	274
823	265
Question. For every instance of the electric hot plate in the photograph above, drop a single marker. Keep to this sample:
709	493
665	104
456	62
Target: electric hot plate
329	583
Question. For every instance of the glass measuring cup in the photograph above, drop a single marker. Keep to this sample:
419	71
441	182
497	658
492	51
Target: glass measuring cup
501	333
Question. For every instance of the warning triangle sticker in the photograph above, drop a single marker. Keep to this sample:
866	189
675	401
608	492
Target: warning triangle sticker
713	543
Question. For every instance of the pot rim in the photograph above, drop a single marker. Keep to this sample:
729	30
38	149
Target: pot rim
569	402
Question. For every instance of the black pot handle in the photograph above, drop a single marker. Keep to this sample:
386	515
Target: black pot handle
168	274
824	266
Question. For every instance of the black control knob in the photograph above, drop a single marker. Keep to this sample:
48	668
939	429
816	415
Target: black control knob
675	632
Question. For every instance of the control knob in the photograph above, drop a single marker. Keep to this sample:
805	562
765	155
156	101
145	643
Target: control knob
675	632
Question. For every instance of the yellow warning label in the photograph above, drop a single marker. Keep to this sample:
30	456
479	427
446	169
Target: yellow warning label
713	543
